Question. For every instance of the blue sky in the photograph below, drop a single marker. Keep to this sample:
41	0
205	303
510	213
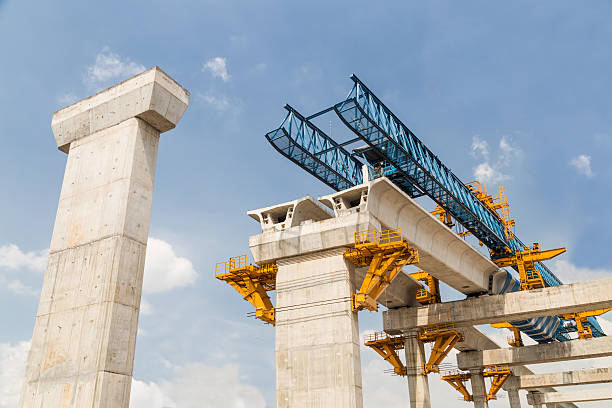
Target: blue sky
513	93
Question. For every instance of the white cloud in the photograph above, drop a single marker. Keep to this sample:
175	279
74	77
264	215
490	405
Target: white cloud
110	67
219	102
18	287
218	68
12	369
197	386
164	269
489	170
568	272
13	258
582	164
67	99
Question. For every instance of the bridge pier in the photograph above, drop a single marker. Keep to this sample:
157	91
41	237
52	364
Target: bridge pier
418	384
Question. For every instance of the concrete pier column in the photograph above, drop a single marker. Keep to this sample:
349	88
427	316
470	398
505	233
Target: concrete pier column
317	333
514	398
531	393
84	337
418	385
479	389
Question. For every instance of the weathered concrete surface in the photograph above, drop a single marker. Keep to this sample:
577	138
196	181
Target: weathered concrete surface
82	349
418	383
320	233
151	96
479	389
317	333
577	377
441	252
575	297
595	394
539	353
514	399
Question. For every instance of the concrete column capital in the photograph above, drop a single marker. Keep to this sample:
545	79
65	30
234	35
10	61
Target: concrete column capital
152	96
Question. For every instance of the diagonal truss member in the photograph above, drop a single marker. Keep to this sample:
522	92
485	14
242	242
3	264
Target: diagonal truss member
430	294
385	254
444	338
498	374
253	282
386	346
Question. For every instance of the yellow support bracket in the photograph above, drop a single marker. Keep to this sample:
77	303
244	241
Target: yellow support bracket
584	332
386	346
385	254
253	282
499	375
515	340
457	381
430	295
524	259
444	338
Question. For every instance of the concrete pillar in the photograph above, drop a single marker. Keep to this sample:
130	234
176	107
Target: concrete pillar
84	337
418	384
534	405
317	333
514	398
479	389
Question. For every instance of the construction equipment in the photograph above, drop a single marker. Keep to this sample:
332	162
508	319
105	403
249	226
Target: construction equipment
524	260
498	375
514	340
444	338
385	254
387	347
429	294
393	151
253	282
584	329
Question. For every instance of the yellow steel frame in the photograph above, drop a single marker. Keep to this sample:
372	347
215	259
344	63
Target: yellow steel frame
253	282
385	254
524	260
499	375
386	346
457	381
584	332
444	337
432	293
515	340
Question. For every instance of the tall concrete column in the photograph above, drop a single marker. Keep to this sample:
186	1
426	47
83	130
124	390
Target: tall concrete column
84	337
418	385
317	333
535	405
479	389
514	398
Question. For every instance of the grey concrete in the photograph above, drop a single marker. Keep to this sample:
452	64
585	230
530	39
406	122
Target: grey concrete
317	333
151	96
531	395
514	399
575	297
418	384
82	350
479	389
289	238
565	378
582	395
539	353
442	253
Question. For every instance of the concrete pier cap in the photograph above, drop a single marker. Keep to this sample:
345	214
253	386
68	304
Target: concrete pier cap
152	96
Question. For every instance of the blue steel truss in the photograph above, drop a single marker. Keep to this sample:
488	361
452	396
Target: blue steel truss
401	157
310	148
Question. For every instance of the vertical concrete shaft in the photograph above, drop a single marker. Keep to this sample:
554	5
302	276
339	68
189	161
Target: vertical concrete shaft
535	405
418	385
514	398
317	333
84	337
479	389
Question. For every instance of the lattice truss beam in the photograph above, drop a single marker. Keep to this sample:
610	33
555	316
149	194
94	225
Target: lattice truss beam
385	254
497	374
253	282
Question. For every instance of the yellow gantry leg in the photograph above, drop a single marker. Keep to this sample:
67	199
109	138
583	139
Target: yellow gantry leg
385	254
581	318
253	282
430	295
457	381
498	375
444	338
386	346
